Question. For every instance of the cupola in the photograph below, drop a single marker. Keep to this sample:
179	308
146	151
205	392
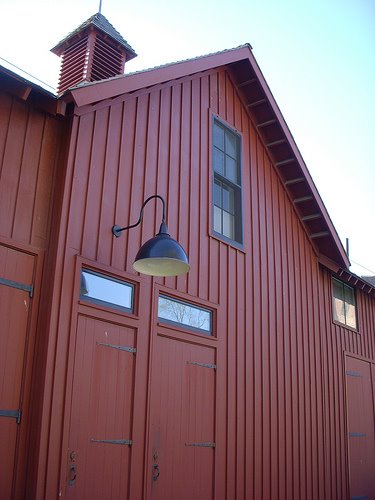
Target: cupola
94	51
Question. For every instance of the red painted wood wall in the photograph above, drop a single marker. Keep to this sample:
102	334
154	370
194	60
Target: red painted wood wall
280	425
31	141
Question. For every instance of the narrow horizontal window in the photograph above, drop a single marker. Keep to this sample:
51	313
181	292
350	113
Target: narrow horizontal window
182	313
344	306
105	290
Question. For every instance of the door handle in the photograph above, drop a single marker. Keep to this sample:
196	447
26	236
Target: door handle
72	474
155	472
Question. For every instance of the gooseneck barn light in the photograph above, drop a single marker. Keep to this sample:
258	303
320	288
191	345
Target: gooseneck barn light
161	255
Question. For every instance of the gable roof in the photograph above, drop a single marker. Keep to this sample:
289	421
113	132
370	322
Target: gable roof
102	24
267	117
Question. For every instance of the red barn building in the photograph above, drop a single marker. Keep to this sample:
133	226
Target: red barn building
250	377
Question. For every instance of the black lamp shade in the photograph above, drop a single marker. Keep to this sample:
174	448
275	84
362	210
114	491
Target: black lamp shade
161	256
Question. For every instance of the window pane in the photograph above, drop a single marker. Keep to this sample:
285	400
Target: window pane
228	199
185	314
231	145
228	225
350	315
338	289
217	219
339	310
227	181
349	295
218	136
231	169
217	193
218	161
344	308
105	289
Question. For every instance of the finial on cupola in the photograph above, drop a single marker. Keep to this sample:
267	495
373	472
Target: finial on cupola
94	51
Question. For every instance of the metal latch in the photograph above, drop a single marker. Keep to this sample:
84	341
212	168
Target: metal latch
127	442
119	347
19	286
202	445
12	414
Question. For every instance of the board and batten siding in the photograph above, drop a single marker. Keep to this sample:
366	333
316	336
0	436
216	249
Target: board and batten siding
31	142
280	358
29	146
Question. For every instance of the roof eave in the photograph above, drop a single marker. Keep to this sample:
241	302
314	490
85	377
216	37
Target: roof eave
30	92
356	281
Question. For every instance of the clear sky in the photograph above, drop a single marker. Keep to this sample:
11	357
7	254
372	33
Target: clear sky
318	58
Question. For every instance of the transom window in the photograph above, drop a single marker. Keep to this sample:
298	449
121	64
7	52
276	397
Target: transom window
344	306
179	312
227	213
107	291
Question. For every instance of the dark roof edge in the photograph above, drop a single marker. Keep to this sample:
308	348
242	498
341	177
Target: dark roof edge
26	81
345	261
356	281
102	24
31	92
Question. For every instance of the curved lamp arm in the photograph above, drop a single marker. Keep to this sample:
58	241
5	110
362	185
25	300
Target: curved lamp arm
116	230
161	255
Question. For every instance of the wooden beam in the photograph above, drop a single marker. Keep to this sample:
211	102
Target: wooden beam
16	88
285	162
302	199
297	180
311	217
247	82
321	234
275	143
256	103
265	124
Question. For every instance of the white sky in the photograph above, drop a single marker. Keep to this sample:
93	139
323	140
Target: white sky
318	58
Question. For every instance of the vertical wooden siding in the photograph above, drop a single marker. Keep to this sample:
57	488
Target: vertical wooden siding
335	341
29	144
281	354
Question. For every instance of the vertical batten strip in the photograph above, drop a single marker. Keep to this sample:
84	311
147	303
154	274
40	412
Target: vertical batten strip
149	181
175	166
184	186
108	195
194	187
204	265
163	154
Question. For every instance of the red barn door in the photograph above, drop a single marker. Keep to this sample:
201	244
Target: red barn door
182	419
102	407
360	385
16	278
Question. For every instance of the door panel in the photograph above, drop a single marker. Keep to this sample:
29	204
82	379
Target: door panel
16	273
361	437
183	420
102	408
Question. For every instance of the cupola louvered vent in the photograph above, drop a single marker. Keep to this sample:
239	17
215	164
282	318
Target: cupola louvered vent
107	61
94	51
74	65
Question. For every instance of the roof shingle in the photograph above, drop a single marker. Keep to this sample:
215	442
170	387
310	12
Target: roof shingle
102	24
